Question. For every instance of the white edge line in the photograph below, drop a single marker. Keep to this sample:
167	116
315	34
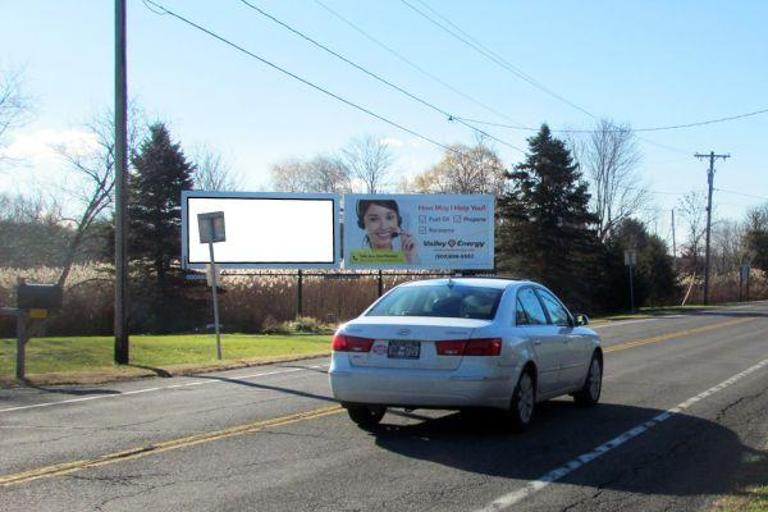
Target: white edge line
556	474
147	390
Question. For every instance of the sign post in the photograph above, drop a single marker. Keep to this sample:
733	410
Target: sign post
744	280
630	260
211	226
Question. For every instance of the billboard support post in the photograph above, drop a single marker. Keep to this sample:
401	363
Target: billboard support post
381	283
299	309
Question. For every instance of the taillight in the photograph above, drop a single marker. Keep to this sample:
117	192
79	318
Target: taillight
344	343
450	347
478	347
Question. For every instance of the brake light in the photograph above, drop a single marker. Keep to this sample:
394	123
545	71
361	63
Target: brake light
478	347
450	347
344	343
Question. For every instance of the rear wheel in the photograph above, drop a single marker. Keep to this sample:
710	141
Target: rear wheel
366	416
523	401
590	392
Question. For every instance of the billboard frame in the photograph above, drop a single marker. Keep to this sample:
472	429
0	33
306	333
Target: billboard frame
186	195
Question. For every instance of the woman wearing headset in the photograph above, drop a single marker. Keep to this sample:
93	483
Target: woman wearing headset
381	220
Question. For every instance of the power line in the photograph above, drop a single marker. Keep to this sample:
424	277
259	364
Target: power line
765	198
647	129
412	64
375	76
296	77
490	54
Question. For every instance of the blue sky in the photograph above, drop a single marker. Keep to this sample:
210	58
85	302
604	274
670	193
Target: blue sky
648	63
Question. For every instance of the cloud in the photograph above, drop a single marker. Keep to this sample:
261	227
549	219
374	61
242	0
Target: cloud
392	142
42	145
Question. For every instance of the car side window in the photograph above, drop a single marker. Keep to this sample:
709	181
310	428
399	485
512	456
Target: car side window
531	307
520	317
557	313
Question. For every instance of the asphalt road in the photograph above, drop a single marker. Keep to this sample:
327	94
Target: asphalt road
684	415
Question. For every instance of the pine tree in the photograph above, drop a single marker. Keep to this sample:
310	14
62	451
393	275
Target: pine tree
161	301
154	208
546	231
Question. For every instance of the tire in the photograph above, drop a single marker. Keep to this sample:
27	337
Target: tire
589	394
523	402
366	416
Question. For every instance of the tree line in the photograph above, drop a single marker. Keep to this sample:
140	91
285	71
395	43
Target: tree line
565	213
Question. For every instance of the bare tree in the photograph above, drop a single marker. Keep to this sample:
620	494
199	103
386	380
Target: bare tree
14	106
464	170
212	172
728	245
320	174
693	207
95	183
369	160
609	155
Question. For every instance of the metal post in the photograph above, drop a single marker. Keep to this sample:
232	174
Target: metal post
299	308
21	344
741	283
381	283
121	354
749	275
631	291
214	286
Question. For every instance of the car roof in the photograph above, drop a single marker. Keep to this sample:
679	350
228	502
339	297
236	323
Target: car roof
482	282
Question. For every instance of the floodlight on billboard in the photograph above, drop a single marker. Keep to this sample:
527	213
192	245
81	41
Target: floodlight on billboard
386	231
264	230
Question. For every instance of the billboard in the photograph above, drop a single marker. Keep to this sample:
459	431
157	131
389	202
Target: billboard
263	230
386	231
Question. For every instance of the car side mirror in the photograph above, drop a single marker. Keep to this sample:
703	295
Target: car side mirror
582	319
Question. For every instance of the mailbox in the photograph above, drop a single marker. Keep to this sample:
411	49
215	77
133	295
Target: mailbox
39	296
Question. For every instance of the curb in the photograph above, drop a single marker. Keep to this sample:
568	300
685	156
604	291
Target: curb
135	373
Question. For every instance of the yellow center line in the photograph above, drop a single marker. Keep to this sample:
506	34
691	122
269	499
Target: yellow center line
679	334
182	442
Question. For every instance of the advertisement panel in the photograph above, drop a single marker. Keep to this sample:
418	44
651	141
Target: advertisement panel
264	230
387	231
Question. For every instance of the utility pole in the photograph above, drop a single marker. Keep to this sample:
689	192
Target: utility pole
121	163
710	180
674	243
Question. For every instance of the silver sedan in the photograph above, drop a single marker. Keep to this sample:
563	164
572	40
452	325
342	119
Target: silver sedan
464	343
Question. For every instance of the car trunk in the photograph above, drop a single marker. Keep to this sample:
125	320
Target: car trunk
409	342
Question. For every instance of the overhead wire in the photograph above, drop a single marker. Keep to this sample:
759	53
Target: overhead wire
412	64
449	116
645	129
295	76
764	198
494	57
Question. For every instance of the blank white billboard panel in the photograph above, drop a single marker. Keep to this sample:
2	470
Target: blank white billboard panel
264	230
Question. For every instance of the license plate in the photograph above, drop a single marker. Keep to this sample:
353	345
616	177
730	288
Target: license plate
399	349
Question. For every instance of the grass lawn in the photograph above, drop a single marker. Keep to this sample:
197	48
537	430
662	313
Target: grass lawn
754	499
94	353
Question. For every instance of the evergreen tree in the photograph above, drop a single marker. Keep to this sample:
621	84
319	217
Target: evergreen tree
161	301
546	231
154	207
653	278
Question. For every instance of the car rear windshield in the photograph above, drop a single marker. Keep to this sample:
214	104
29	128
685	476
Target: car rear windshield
452	301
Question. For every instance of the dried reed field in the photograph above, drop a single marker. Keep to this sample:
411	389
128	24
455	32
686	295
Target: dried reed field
258	301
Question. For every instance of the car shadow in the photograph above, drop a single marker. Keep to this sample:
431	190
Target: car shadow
682	456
